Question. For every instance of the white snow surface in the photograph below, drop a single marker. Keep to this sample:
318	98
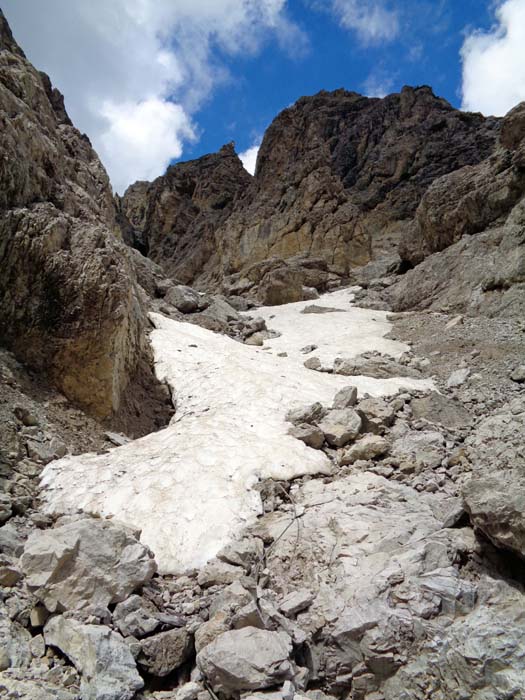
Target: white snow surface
189	488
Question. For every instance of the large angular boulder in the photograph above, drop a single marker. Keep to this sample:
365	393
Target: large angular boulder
165	652
101	656
496	506
87	562
246	659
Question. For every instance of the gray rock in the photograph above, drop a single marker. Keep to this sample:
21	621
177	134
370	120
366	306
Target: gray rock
245	552
165	652
368	447
246	659
306	414
518	375
211	629
218	573
296	601
345	398
458	377
15	642
85	562
135	617
496	505
231	599
102	657
117	438
340	426
184	299
377	415
436	408
311	435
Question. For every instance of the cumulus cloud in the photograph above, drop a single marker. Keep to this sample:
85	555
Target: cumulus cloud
249	158
134	72
372	20
494	62
378	85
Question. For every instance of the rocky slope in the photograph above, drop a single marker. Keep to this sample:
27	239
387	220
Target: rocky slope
337	508
338	178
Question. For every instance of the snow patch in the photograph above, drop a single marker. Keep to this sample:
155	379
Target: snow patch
190	487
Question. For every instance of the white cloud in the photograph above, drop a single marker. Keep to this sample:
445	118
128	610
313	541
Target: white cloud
134	72
378	85
249	158
494	62
371	19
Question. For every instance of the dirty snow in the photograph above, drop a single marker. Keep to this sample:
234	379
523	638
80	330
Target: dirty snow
190	487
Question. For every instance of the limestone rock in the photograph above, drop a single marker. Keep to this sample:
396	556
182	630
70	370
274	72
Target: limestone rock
211	629
184	299
246	659
101	656
351	172
311	435
345	398
310	414
70	305
373	365
135	617
17	686
376	414
340	426
496	506
368	447
458	377
85	562
518	375
436	408
165	652
296	602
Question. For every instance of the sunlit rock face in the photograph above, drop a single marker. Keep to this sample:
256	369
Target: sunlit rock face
338	177
190	487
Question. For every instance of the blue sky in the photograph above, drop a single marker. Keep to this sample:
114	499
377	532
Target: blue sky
426	52
156	81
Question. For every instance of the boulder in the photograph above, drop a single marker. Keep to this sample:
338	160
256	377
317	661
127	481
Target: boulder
496	506
102	657
436	408
306	414
184	299
377	414
346	397
311	435
518	374
340	426
165	652
368	447
135	617
85	562
246	659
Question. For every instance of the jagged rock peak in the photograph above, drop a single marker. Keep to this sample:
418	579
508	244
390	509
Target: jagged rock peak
338	177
